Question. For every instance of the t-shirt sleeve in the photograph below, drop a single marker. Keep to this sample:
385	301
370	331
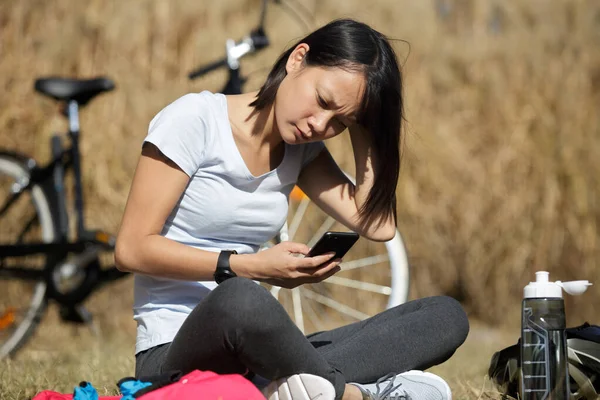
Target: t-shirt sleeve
180	132
311	151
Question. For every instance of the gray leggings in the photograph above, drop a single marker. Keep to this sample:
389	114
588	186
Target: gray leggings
241	328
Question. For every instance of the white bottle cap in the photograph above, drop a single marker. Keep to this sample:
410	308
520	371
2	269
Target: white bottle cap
542	287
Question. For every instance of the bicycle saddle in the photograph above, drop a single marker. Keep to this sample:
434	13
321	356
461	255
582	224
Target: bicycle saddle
80	90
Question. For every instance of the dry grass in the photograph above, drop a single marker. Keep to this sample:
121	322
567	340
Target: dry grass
500	176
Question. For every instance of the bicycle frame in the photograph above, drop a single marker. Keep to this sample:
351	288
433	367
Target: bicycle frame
50	178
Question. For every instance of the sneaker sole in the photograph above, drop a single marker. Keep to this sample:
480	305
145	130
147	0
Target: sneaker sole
427	378
300	387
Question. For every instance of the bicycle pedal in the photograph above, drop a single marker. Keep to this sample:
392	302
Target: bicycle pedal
77	314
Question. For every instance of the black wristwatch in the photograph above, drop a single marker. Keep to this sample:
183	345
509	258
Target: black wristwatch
223	271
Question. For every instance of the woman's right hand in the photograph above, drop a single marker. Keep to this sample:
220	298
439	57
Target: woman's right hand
284	265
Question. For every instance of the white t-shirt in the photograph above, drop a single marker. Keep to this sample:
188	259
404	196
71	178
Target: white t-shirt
224	207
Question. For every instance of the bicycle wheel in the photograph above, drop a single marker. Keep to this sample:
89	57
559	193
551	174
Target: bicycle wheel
22	302
374	275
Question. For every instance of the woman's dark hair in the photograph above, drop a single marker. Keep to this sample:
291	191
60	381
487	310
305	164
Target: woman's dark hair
355	46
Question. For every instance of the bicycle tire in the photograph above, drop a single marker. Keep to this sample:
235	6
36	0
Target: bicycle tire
27	318
389	289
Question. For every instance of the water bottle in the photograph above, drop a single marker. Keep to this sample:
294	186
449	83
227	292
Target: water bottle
544	363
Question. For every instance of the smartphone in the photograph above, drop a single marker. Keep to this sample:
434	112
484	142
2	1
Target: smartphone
340	242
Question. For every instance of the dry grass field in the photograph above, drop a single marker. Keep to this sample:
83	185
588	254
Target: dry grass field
500	176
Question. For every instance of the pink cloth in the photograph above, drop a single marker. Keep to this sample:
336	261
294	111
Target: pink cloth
203	385
207	385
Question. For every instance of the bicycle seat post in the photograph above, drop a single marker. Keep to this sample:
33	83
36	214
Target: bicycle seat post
232	55
73	116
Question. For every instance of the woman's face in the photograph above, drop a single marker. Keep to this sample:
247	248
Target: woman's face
316	103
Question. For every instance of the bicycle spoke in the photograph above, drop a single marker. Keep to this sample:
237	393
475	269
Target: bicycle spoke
339	307
366	286
364	262
26	228
298	215
325	226
275	291
297	305
313	317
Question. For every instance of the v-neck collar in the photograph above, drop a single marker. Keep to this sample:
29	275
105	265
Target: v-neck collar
239	154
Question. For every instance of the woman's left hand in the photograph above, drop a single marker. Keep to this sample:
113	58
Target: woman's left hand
284	265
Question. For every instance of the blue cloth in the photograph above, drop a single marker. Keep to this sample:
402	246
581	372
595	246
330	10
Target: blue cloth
128	388
85	391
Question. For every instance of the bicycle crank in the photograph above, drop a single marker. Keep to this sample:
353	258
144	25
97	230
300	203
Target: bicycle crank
73	279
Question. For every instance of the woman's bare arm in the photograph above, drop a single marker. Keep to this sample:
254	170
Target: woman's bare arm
326	185
157	185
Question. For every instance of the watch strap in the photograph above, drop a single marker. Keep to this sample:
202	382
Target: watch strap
223	270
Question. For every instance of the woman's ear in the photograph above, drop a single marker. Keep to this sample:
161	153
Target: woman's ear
295	61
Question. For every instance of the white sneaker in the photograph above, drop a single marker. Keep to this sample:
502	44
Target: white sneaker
410	385
300	387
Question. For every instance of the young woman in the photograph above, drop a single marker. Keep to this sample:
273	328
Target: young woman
212	185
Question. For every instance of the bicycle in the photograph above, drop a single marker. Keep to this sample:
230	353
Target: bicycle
40	260
43	262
